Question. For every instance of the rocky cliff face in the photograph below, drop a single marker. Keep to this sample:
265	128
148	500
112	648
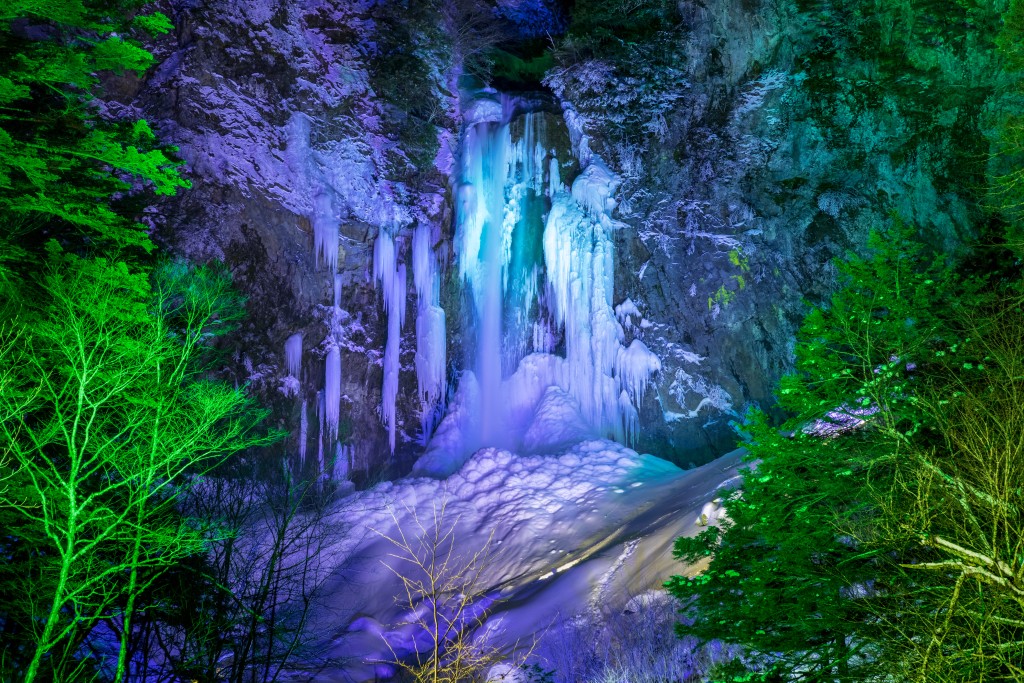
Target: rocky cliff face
784	134
298	161
789	130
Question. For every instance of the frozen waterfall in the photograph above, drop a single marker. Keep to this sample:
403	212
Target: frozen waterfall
538	260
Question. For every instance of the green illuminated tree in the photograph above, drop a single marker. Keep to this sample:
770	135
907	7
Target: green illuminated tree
956	507
108	419
1006	162
67	166
789	579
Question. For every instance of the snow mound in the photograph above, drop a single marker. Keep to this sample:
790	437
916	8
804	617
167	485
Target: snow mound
483	110
557	424
562	532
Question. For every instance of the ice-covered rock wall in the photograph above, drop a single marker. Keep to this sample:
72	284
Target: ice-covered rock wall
303	155
312	129
756	141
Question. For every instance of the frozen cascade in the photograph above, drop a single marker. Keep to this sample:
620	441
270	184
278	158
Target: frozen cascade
431	340
293	355
303	434
478	242
538	259
393	284
332	391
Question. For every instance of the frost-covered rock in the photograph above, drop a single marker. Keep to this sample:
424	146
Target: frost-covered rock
297	165
749	159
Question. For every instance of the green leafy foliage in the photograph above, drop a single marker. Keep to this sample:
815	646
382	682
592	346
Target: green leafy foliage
877	335
64	164
782	575
1006	169
790	578
108	415
106	418
1009	39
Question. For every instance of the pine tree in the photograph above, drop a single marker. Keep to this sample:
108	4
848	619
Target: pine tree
789	578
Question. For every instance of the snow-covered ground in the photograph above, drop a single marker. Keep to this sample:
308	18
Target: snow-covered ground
582	531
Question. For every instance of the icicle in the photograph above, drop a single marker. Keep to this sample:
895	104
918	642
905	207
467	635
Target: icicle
391	368
630	419
430	353
337	290
303	434
423	266
293	355
626	311
332	391
595	186
431	339
325	230
320	413
341	464
634	367
543	340
394	287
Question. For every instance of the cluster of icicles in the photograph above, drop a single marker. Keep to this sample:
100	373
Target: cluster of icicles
570	290
566	292
328	400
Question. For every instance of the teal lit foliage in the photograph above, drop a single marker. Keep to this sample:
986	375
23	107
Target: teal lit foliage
65	165
518	69
403	75
933	63
789	578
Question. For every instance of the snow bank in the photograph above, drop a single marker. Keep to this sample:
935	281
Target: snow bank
593	523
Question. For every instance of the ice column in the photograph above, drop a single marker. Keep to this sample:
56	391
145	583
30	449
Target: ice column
430	326
332	367
293	355
393	285
321	414
303	434
332	391
342	464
